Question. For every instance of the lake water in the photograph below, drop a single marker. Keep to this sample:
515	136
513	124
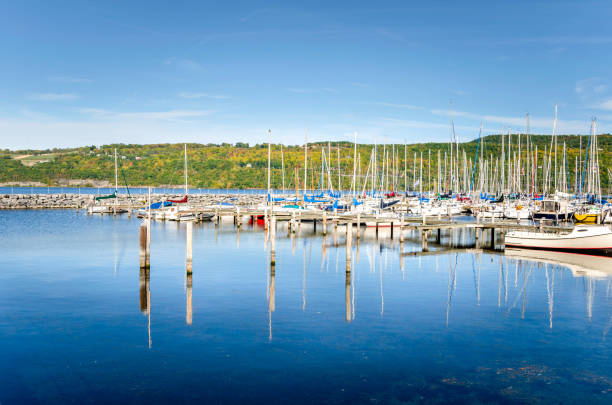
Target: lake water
81	323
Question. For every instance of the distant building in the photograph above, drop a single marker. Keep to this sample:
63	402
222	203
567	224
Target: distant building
138	158
248	165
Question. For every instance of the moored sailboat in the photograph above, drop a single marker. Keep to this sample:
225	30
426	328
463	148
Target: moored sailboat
589	240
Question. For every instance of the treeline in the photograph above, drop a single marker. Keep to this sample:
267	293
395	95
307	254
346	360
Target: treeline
244	166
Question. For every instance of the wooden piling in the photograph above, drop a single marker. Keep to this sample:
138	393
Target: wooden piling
324	223
424	240
391	228
349	239
358	225
401	230
266	225
143	246
273	240
188	248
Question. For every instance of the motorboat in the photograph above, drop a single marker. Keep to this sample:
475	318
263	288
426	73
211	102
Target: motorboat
554	210
583	239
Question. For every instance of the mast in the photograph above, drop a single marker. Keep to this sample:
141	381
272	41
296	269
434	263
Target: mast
339	185
421	180
354	186
305	161
555	145
116	181
429	171
452	140
405	167
269	156
503	161
283	166
185	169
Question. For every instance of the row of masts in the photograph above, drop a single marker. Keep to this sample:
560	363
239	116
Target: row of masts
520	168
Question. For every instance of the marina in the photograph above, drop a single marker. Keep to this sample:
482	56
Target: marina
306	203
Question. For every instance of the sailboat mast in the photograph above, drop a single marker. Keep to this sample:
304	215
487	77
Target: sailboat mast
338	157
116	182
269	156
283	166
555	140
185	169
305	161
354	164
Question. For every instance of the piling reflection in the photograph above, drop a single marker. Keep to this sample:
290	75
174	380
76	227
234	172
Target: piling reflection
189	304
144	290
271	298
513	274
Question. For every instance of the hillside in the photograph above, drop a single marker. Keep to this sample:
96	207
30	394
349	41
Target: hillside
244	166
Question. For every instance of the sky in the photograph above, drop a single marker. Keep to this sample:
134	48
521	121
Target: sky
78	73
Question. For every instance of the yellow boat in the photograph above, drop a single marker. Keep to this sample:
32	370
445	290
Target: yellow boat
586	218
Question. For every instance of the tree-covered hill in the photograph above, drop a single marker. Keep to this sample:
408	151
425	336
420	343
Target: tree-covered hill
244	166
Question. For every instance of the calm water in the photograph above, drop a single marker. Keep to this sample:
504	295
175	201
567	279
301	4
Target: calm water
79	322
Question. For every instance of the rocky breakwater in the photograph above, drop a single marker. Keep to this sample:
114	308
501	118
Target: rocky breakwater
73	201
43	201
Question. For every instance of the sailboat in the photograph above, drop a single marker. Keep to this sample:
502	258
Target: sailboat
180	212
583	239
96	207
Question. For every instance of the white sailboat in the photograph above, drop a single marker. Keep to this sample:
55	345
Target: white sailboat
101	208
583	239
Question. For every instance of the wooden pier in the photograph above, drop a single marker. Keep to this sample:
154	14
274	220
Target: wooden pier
354	224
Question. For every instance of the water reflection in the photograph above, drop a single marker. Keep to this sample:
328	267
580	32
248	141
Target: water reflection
384	255
271	298
145	299
189	293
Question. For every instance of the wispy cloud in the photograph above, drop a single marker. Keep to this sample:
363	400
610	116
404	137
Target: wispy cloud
321	90
185	64
605	105
593	92
190	95
69	79
546	40
172	115
53	96
542	125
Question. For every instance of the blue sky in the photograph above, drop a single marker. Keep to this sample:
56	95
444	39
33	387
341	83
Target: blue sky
82	73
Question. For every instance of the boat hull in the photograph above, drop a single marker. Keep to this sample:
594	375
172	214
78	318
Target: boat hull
588	244
586	218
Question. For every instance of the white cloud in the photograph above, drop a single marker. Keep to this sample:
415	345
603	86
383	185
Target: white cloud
606	105
189	95
53	96
537	124
173	115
